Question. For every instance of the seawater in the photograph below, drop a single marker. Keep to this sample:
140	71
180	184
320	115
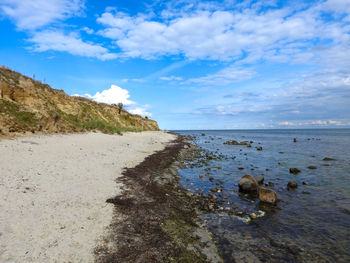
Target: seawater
310	224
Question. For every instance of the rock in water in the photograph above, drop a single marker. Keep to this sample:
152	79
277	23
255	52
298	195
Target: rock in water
248	183
328	159
253	216
267	195
292	185
259	179
312	167
259	148
294	170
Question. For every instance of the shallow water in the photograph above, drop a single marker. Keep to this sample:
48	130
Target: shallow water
312	224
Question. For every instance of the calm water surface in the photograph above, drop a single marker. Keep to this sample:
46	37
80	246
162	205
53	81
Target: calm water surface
312	224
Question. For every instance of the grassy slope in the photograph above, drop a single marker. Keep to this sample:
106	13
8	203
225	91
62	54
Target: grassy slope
27	105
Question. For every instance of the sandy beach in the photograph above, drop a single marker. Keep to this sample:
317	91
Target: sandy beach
53	191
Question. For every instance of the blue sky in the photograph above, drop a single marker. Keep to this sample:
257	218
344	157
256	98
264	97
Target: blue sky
191	64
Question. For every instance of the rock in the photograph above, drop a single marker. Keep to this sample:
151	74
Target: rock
328	159
292	185
295	140
253	216
325	164
259	148
211	179
259	179
312	167
248	183
305	183
267	195
294	170
203	134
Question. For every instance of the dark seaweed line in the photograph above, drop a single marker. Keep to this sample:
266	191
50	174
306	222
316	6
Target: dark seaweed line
158	219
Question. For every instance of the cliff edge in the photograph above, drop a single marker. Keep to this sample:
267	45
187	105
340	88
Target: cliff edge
28	106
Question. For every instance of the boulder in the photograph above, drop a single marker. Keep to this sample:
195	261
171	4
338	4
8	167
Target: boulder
328	159
259	179
267	195
248	183
292	185
294	170
312	167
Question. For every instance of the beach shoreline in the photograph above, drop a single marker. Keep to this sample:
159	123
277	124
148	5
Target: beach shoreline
54	190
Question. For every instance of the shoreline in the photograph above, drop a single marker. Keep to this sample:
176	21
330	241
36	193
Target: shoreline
155	218
54	188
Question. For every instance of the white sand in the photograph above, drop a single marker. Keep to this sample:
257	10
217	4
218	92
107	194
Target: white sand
53	191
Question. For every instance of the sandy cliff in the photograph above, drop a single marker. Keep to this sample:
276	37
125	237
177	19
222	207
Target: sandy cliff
29	106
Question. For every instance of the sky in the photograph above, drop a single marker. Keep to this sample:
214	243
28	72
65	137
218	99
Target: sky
188	64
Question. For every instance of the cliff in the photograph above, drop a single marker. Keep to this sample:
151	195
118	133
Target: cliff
29	106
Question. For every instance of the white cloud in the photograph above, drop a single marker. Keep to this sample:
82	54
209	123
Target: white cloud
115	95
33	14
225	76
142	111
313	123
171	78
71	43
200	31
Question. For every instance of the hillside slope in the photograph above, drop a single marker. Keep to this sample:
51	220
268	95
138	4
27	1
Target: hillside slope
29	106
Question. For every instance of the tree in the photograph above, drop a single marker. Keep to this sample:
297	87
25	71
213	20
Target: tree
120	107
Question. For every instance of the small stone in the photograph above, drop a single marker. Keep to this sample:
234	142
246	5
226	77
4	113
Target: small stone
253	216
211	179
292	185
267	195
305	183
328	159
294	170
248	183
259	148
312	167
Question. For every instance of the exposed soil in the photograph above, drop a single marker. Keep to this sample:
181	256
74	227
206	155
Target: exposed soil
155	218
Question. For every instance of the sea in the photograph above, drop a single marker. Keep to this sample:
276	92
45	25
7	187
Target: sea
309	224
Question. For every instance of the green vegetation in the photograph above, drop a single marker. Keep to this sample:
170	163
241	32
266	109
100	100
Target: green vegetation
23	119
102	126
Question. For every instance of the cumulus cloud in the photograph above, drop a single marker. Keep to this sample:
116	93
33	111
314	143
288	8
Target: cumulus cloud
33	14
246	33
142	111
71	43
115	95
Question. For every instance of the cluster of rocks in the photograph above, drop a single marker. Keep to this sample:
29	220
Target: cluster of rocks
233	142
251	184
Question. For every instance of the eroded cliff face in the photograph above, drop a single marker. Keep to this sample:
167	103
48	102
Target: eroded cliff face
29	106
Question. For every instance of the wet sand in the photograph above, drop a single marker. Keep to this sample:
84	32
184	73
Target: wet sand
53	191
